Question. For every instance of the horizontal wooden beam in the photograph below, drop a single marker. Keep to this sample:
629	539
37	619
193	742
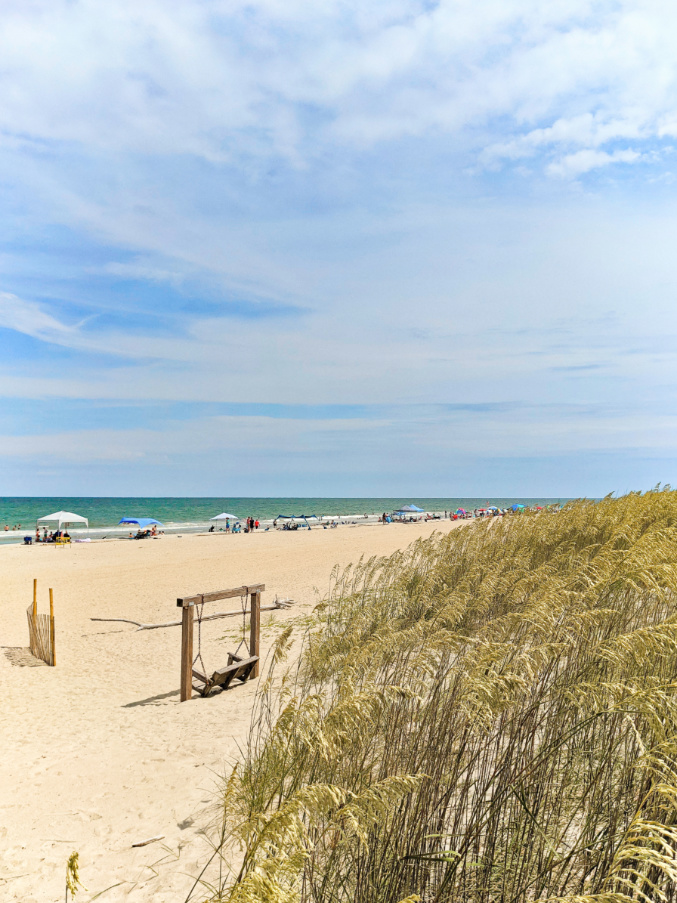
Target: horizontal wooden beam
238	613
188	601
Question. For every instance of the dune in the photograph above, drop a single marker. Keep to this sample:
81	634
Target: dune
98	753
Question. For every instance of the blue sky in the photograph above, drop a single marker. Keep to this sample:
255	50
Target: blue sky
282	248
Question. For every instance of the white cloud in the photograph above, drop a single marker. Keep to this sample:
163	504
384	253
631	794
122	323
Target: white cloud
311	155
31	319
221	80
583	161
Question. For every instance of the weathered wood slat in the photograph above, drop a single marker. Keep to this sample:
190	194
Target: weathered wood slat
40	634
240	670
255	633
187	654
220	594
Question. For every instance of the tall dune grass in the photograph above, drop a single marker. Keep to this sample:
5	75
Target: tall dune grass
490	715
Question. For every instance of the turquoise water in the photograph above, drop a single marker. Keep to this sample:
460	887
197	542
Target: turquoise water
193	514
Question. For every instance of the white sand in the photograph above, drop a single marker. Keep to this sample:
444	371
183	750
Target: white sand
98	753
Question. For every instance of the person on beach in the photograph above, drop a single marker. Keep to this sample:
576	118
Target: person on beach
256	525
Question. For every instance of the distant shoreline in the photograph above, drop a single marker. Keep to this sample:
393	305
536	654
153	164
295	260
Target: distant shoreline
193	515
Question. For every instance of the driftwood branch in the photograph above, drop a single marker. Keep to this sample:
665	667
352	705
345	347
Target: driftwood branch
279	603
144	843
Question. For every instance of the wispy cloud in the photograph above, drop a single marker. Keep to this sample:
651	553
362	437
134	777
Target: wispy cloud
219	81
395	207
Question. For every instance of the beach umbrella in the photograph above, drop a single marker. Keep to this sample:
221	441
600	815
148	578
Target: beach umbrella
141	521
517	507
460	511
225	517
63	517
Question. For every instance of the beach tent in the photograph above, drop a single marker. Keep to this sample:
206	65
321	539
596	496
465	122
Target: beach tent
225	517
411	509
141	521
303	517
63	517
459	511
517	507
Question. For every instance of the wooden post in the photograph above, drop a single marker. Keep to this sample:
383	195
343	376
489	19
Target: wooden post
187	652
51	626
255	628
35	601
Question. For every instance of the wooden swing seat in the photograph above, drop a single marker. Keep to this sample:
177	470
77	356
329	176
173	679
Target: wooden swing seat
236	669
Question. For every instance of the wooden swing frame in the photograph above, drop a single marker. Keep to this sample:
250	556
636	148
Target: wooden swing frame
237	668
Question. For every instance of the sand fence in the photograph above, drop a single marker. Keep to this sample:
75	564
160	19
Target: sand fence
41	629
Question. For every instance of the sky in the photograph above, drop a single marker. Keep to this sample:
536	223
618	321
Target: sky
337	248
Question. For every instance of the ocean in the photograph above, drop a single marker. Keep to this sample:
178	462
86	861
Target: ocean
193	514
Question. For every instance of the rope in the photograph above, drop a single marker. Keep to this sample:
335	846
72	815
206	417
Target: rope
199	635
243	641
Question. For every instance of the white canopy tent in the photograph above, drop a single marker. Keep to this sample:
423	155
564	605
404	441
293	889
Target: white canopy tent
63	517
225	517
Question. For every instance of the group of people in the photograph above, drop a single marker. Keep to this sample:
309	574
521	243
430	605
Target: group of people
146	533
15	527
252	524
51	537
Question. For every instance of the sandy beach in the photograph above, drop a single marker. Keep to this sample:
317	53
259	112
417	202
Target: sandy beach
98	753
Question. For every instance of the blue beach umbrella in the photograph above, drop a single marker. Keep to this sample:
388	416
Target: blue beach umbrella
516	507
141	521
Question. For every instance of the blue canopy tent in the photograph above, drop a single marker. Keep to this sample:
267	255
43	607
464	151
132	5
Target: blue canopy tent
516	507
141	521
407	509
